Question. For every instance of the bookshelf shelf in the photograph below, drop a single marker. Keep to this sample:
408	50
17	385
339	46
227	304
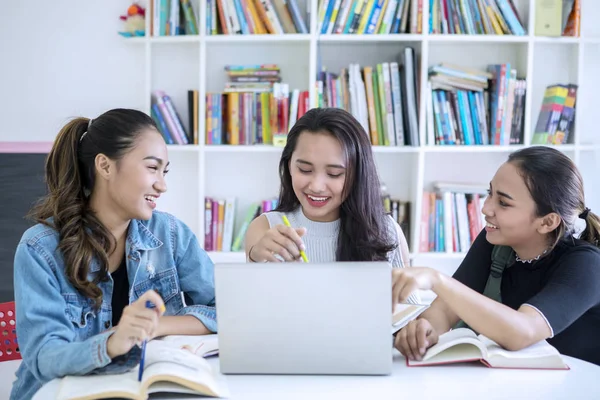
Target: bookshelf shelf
176	39
370	38
478	38
258	38
250	173
558	40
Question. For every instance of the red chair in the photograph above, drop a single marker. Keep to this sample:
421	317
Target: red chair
9	347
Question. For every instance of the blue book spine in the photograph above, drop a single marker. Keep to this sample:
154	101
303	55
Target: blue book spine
297	16
162	126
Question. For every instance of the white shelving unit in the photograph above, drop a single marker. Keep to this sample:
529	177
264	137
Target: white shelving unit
176	64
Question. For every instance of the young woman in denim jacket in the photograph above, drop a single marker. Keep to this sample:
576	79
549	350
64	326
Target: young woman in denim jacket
83	274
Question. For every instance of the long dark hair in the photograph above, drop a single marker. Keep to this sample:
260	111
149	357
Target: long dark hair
556	185
364	234
70	176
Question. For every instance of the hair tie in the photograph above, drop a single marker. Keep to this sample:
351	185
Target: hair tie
88	128
585	213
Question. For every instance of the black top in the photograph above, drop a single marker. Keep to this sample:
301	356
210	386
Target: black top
120	296
564	286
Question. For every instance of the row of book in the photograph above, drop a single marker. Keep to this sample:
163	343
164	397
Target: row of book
556	119
173	17
246	17
451	217
472	107
370	16
168	120
475	17
399	210
383	98
219	222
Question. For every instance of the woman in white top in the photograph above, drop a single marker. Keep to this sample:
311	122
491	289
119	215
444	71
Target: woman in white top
330	192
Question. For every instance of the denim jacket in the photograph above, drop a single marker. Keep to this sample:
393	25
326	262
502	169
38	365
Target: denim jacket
61	333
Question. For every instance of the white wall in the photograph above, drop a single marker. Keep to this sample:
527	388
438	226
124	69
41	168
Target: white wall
61	59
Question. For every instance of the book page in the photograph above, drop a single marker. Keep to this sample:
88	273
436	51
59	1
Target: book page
201	345
538	355
404	313
456	345
100	386
166	362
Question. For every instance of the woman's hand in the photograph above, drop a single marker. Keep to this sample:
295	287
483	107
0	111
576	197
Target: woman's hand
407	280
137	323
281	240
415	338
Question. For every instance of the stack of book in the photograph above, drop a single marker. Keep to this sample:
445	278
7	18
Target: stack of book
556	119
219	222
382	98
255	108
173	17
370	16
169	122
475	17
473	107
451	217
246	17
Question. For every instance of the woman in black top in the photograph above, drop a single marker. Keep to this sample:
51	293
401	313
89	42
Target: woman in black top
551	289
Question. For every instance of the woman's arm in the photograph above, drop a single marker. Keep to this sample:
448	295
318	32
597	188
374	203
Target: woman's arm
181	325
511	329
47	338
196	279
440	316
255	232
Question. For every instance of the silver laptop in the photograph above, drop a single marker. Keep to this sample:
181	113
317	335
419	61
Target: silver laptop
297	318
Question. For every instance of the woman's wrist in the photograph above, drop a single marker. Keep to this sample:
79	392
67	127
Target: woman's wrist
250	254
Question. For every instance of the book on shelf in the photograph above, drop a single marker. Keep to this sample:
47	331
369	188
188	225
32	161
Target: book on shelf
255	107
248	17
219	223
370	17
571	18
451	217
173	17
475	17
384	98
400	212
556	119
169	122
466	106
463	345
168	368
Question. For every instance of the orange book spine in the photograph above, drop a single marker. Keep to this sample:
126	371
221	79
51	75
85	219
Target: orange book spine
221	13
262	13
233	104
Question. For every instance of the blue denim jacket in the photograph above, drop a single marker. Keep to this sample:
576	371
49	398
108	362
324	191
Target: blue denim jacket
61	333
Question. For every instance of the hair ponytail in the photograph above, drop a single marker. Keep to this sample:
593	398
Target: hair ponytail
70	176
591	233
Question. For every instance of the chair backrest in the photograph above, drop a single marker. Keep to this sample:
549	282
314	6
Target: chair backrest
9	347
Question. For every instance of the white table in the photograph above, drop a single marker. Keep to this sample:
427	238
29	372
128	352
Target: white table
458	381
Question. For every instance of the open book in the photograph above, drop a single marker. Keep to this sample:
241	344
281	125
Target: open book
201	345
463	345
168	369
404	313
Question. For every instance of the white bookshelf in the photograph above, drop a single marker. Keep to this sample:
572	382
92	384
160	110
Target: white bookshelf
176	64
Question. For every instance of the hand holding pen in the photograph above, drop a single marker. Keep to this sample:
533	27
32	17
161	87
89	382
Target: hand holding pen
137	323
282	240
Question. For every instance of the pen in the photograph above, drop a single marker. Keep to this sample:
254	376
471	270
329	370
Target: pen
287	223
149	304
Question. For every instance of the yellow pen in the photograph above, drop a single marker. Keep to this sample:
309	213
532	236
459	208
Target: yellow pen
287	223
